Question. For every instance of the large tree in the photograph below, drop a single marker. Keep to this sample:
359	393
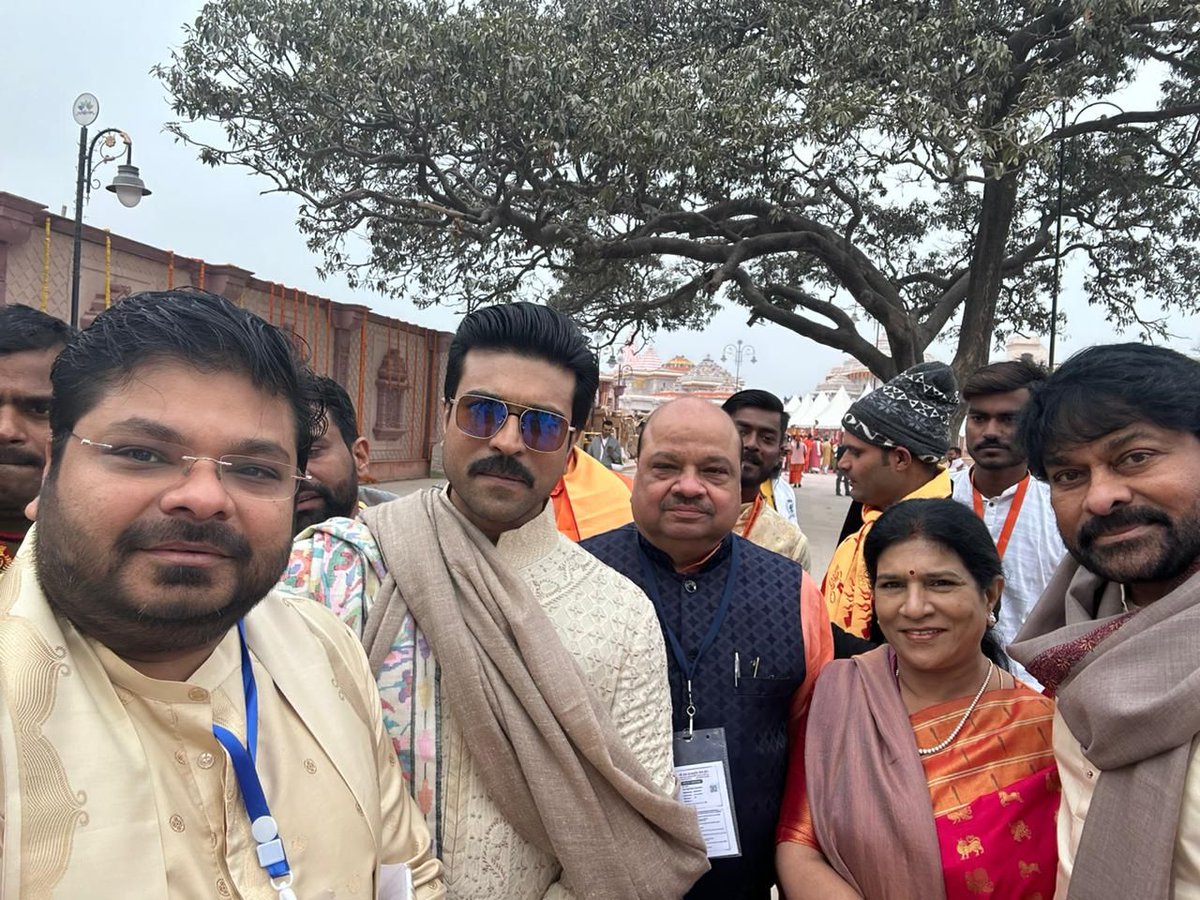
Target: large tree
834	166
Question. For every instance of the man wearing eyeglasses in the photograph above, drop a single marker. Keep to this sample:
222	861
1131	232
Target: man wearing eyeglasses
168	728
524	682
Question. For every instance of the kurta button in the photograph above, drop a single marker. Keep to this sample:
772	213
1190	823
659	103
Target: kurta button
198	694
205	760
689	586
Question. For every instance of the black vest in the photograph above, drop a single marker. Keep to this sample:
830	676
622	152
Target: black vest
764	626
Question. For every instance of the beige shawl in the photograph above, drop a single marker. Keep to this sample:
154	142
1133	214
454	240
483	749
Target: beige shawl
1126	686
554	763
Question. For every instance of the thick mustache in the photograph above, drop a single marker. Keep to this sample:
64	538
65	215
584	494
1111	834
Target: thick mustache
1118	520
700	505
144	535
504	466
992	445
10	456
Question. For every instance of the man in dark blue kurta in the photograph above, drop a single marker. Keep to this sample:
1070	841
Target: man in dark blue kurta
747	625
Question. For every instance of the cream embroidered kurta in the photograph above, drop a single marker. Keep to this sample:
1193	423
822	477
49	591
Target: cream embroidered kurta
1079	778
116	787
603	620
773	532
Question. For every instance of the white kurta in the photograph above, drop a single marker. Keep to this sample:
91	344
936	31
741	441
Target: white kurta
1034	552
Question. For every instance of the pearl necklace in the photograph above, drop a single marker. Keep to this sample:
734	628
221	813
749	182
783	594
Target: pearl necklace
961	722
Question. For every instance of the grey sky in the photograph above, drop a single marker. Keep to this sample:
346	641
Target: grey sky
55	49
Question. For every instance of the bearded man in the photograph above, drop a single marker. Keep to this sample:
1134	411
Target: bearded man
1115	637
340	457
168	728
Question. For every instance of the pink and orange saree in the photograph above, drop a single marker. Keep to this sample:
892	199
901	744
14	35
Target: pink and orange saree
976	820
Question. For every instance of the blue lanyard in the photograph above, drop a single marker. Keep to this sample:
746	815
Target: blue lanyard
689	668
264	828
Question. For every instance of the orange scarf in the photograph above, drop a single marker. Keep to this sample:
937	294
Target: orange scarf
590	499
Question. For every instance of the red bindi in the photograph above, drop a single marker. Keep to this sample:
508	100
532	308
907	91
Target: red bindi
912	571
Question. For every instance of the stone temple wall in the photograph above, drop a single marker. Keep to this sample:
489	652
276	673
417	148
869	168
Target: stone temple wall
392	370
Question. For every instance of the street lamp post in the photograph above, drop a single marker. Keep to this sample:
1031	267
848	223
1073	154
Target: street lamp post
623	371
739	353
1062	148
126	184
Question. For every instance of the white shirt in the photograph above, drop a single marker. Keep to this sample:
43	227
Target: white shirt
1079	778
1033	553
785	498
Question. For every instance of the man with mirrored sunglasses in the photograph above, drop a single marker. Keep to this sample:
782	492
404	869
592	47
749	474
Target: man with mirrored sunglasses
168	727
524	682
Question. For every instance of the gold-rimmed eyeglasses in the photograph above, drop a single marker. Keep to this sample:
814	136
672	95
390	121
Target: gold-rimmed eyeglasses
164	463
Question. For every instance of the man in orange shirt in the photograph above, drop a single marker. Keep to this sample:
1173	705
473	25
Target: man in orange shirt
894	439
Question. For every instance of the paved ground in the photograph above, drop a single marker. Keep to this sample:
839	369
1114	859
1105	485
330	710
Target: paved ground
820	510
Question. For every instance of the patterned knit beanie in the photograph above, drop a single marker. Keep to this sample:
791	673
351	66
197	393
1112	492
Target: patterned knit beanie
912	410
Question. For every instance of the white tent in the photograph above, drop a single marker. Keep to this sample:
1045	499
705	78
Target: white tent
794	406
831	416
813	413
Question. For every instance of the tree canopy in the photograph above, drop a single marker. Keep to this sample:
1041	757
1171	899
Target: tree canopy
832	166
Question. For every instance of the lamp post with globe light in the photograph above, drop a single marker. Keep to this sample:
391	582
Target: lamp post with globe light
623	371
739	352
126	184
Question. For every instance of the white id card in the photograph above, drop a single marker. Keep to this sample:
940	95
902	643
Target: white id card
395	882
702	767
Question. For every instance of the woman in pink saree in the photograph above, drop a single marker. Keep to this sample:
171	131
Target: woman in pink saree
924	768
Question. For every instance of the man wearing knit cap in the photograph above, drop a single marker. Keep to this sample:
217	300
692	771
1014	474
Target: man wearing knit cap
895	438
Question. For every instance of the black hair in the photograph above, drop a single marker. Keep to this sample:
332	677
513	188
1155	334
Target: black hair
1003	377
1104	389
196	328
23	328
756	399
534	331
338	407
951	525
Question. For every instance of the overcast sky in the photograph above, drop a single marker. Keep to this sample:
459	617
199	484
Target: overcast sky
55	49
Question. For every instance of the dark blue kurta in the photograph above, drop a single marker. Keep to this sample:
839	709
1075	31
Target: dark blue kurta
763	623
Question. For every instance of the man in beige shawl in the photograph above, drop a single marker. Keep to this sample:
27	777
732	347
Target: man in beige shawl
524	682
167	729
1115	637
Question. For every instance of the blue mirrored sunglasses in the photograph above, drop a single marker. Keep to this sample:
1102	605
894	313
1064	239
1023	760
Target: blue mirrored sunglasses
482	417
